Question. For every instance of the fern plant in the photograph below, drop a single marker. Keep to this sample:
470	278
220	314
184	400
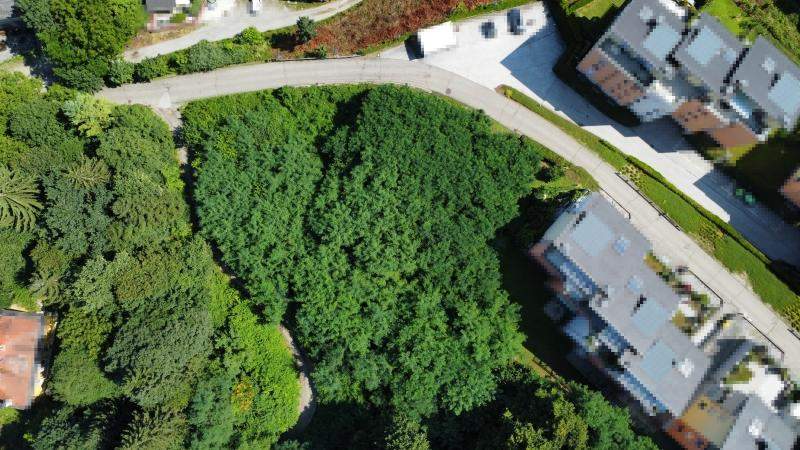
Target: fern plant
18	200
88	173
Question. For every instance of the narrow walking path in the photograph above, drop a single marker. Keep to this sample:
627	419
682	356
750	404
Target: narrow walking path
667	240
308	402
275	14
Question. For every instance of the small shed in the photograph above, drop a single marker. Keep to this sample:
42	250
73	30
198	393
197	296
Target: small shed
436	38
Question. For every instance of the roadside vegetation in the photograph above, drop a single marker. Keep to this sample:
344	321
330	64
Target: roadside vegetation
363	216
715	236
81	37
153	348
366	28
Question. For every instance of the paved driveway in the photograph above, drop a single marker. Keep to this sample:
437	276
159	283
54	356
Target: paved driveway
667	240
275	14
525	62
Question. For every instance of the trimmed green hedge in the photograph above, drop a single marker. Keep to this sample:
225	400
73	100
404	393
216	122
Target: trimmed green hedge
248	46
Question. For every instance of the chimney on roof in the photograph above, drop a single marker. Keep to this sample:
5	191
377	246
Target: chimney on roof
756	428
686	367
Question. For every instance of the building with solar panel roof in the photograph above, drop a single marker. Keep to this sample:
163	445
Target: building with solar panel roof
657	61
619	314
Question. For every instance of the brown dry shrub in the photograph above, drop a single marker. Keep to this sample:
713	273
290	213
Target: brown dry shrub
375	21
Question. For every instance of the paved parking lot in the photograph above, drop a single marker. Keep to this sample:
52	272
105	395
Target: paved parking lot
525	62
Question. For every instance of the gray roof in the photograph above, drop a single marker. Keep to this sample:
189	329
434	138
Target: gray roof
709	52
592	244
640	304
160	5
756	423
771	80
650	28
671	369
6	9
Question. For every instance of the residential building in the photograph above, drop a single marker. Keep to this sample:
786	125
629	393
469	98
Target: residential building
20	338
657	61
161	11
791	188
621	307
620	315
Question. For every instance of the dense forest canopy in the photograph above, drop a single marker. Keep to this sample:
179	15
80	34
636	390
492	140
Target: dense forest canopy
82	37
363	217
359	216
153	349
378	230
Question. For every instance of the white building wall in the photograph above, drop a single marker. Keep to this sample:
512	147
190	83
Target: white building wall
658	101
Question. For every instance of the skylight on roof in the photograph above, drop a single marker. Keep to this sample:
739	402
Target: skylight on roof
592	235
705	46
662	40
768	65
635	284
786	94
729	55
645	13
658	361
649	317
621	244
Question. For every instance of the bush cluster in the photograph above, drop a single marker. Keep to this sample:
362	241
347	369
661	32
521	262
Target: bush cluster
248	46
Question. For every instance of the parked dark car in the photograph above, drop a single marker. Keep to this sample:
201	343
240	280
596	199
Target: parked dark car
488	30
515	22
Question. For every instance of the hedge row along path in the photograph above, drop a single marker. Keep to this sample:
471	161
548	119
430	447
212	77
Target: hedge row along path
274	15
667	240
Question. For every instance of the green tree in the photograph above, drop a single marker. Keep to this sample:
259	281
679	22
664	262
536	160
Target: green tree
266	392
155	430
384	247
77	380
89	114
406	434
71	428
19	205
88	173
82	36
306	29
120	72
211	416
250	36
12	265
36	124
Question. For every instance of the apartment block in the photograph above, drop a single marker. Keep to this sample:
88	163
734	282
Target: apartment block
657	60
619	313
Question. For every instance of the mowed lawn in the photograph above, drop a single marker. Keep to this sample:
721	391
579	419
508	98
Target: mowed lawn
598	8
766	167
728	12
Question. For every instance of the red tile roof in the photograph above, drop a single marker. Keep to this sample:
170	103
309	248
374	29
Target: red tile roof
20	334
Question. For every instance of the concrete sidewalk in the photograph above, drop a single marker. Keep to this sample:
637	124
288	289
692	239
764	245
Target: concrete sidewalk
668	241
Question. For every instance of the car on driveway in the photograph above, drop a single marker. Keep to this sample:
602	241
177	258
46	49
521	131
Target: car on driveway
515	22
488	30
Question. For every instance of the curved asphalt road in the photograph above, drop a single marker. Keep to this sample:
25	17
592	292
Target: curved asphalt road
667	240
